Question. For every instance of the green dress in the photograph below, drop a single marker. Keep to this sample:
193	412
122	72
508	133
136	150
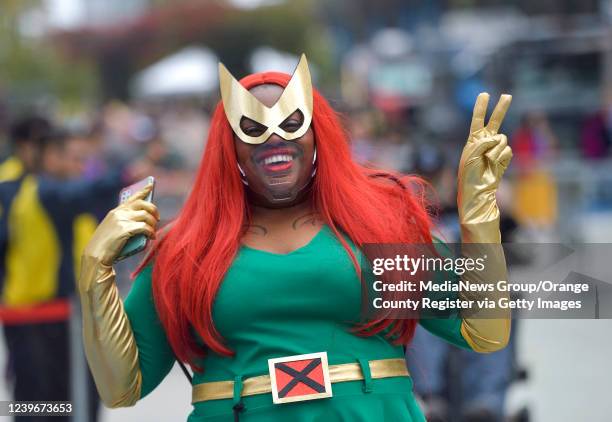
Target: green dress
272	305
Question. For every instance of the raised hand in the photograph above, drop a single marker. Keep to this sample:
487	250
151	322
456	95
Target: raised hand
484	160
134	216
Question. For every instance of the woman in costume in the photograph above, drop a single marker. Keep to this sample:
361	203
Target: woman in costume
256	283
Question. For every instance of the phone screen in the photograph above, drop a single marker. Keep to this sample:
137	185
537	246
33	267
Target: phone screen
138	242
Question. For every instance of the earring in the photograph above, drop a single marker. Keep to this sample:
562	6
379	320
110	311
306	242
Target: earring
314	163
242	176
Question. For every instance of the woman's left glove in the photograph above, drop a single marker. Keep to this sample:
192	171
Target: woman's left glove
484	160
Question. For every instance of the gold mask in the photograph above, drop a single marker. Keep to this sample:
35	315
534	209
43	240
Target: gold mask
238	102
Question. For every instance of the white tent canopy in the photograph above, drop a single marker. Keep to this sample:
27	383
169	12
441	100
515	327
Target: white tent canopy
189	72
264	59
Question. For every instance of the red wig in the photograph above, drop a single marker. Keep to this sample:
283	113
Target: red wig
193	256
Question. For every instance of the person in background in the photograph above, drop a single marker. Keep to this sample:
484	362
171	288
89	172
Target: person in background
534	141
25	135
535	188
40	201
596	135
361	128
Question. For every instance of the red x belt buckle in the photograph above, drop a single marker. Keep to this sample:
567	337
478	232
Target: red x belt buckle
300	378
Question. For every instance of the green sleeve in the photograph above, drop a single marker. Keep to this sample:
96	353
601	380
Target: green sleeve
155	355
447	327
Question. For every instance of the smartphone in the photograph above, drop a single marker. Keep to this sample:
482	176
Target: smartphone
138	242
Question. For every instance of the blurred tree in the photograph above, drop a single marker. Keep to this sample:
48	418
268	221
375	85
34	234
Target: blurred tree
31	69
122	49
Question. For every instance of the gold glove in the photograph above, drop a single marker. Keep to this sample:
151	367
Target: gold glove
110	346
484	160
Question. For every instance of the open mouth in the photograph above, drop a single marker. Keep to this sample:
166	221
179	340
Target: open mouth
276	161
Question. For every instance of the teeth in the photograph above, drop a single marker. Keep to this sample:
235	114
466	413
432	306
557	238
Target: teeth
277	159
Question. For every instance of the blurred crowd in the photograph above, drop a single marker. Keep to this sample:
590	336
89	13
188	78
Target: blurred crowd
58	179
405	97
170	138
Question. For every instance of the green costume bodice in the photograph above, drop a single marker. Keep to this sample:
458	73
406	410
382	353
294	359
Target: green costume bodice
272	305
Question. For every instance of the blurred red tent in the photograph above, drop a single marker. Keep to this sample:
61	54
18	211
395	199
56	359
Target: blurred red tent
180	21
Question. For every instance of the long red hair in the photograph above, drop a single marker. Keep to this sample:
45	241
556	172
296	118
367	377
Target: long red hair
193	256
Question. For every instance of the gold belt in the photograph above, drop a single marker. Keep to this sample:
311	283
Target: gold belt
217	390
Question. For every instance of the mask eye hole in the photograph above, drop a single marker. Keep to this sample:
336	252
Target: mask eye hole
251	127
293	122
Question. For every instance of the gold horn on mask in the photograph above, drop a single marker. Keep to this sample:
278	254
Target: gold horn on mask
238	102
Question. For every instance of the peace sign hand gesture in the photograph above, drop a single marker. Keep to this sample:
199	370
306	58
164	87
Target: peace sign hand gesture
484	160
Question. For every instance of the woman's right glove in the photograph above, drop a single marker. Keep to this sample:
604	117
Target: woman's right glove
109	343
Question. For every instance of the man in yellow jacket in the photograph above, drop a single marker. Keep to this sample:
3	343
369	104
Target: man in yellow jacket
39	216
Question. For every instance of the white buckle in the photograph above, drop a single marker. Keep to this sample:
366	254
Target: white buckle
300	378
